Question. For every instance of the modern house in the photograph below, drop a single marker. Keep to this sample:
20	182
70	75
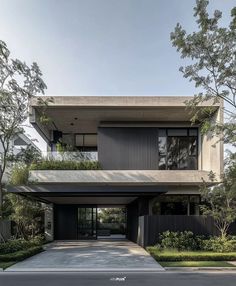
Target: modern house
152	161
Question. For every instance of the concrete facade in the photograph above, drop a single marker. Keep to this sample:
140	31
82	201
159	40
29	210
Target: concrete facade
135	188
122	177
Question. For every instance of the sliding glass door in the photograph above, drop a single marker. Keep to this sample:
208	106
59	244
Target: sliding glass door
87	222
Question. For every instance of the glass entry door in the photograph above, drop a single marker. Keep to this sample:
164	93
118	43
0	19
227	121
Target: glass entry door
87	222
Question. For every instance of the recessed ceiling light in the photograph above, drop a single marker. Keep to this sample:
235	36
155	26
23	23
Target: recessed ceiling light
72	124
76	118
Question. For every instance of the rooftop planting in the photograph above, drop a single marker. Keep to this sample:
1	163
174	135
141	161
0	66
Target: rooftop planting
20	172
65	165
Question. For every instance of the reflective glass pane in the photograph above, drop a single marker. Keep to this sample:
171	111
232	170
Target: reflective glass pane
192	163
183	153
162	145
173	153
192	145
162	163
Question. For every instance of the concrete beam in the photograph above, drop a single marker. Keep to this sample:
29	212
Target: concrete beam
123	177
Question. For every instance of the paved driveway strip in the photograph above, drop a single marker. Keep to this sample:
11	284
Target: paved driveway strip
90	256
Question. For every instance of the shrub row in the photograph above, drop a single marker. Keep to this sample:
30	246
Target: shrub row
65	165
20	255
186	240
190	256
19	244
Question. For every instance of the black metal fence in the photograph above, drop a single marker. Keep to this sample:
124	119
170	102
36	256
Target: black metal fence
151	226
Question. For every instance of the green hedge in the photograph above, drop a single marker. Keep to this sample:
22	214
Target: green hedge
65	165
20	244
20	255
190	256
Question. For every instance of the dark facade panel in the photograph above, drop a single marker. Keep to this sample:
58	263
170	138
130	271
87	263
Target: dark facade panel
131	148
65	222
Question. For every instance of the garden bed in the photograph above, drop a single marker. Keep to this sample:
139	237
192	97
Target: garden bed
9	259
196	264
172	255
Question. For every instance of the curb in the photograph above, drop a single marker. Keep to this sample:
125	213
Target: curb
144	270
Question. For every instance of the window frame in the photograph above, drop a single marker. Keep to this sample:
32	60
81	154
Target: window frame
189	156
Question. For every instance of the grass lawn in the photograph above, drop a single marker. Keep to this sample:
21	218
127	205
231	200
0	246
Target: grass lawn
4	265
196	264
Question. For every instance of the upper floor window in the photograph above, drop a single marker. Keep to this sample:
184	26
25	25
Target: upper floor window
86	142
178	148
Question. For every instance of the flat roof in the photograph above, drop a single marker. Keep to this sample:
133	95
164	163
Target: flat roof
84	114
118	101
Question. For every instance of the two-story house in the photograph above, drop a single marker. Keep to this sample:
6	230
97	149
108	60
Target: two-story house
152	160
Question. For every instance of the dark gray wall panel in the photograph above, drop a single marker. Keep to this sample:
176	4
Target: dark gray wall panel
128	148
65	222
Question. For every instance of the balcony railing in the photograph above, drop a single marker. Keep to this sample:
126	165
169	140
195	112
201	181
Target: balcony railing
70	156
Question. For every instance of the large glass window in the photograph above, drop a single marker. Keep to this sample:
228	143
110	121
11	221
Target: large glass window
176	205
178	149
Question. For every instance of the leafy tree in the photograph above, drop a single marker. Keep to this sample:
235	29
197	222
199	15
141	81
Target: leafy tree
220	200
212	51
27	215
27	156
18	84
112	215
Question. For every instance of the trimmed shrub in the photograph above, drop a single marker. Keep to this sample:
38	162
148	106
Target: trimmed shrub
20	255
186	240
12	246
190	256
218	244
179	240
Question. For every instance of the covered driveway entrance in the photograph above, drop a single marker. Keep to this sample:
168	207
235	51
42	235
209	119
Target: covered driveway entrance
82	222
90	255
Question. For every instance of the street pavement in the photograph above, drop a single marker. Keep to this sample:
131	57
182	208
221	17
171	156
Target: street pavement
217	278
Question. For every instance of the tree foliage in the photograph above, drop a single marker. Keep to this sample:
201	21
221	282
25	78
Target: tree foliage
220	201
27	215
112	215
18	84
212	52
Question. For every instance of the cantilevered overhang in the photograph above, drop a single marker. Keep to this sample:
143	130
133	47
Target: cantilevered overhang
108	183
83	114
108	187
120	177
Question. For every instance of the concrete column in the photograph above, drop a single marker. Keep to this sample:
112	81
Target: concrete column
49	222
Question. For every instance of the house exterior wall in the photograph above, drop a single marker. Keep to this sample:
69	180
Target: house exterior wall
129	148
127	129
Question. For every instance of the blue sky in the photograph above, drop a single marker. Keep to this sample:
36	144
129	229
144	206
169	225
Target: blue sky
102	47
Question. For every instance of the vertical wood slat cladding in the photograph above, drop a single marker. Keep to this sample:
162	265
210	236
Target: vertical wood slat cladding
199	225
65	219
128	148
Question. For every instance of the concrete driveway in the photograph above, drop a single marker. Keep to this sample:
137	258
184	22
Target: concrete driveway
96	255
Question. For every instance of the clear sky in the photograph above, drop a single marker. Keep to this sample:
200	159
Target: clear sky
99	47
102	47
